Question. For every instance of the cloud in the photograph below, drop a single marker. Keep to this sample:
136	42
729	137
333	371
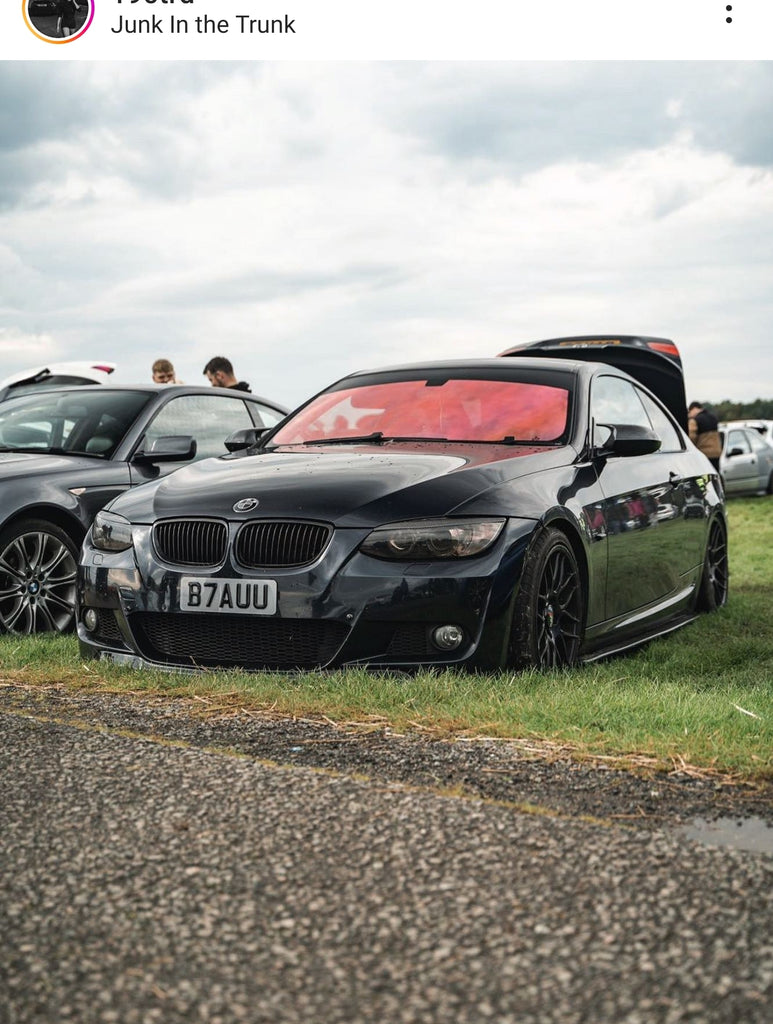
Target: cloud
520	116
37	347
310	219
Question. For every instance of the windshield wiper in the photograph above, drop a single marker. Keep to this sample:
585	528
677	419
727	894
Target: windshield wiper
377	437
524	442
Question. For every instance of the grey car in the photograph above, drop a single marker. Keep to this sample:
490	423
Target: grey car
746	462
762	427
66	452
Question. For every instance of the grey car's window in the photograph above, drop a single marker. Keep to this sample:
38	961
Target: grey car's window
662	425
90	420
264	415
737	439
614	400
207	418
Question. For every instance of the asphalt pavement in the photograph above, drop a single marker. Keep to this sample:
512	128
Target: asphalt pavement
146	879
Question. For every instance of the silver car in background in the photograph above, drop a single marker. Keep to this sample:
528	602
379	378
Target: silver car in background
763	427
746	462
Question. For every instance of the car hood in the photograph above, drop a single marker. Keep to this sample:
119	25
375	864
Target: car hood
654	362
352	487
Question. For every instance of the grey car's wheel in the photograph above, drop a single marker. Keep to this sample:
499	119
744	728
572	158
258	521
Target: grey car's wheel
549	608
712	592
37	579
770	483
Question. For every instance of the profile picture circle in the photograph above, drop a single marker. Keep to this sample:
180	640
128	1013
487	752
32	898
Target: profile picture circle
58	21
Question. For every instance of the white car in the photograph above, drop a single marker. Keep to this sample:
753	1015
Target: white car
746	462
55	375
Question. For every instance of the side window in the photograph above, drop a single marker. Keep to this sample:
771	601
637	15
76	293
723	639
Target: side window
758	445
614	400
670	438
264	415
737	439
105	435
208	418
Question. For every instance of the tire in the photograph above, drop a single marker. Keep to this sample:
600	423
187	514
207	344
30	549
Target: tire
550	606
770	484
712	591
37	579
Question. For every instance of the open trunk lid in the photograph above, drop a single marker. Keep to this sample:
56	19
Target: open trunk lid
654	362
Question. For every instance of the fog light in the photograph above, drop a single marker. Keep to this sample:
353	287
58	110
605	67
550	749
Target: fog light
90	620
447	638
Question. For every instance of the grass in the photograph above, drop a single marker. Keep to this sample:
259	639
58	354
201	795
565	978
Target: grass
700	700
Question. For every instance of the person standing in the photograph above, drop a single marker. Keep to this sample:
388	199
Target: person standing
704	432
66	25
163	372
220	374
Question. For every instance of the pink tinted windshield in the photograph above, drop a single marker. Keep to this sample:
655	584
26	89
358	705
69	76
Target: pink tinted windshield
456	409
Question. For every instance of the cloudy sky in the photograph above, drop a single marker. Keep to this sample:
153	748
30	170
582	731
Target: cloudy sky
306	220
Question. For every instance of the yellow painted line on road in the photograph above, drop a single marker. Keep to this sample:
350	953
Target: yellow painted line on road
448	793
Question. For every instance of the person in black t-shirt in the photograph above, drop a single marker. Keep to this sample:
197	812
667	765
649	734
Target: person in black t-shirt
65	26
220	374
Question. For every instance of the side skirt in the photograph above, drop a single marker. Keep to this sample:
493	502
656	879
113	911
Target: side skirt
633	642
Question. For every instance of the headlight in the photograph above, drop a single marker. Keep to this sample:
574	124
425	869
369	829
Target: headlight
442	538
111	532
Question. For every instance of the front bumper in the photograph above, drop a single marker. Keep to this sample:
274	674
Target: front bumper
346	609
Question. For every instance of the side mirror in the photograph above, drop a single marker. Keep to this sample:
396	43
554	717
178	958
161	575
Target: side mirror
245	438
626	439
172	448
734	451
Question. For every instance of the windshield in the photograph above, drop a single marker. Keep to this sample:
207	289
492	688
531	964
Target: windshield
85	421
455	409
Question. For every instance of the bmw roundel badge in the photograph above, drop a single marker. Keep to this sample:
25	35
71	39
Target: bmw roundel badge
246	505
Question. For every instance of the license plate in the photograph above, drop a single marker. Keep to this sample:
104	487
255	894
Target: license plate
243	597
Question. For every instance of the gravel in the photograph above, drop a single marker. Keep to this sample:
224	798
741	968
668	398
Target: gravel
155	866
492	769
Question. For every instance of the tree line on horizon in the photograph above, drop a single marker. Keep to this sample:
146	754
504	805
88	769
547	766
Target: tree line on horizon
759	409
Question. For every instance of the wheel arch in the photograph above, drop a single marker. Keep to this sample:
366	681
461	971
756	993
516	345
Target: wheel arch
709	583
39	571
557	528
718	513
71	525
559	519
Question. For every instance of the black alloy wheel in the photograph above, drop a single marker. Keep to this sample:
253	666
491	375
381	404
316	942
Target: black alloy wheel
712	592
549	608
37	579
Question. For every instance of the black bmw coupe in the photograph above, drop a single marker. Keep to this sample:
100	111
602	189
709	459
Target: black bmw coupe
534	510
